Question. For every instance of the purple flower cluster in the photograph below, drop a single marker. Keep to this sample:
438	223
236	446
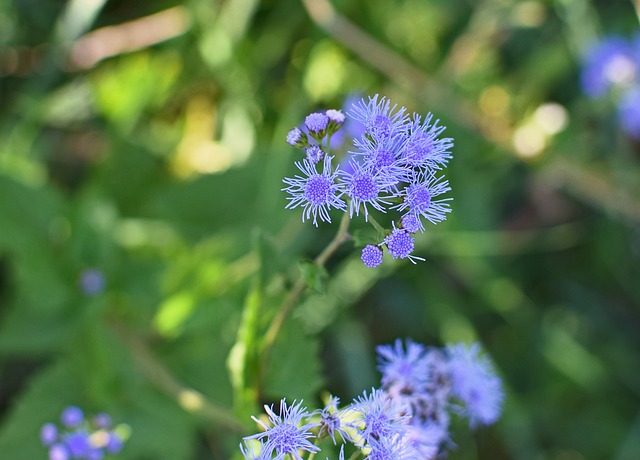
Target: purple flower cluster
406	419
395	164
612	67
82	438
432	383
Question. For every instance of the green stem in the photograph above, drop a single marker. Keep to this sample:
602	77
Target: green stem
375	224
298	288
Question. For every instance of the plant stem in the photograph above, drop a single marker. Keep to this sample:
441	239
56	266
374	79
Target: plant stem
375	224
298	288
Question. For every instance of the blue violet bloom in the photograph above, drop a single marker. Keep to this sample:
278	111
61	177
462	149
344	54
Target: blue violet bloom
82	438
407	418
611	68
396	163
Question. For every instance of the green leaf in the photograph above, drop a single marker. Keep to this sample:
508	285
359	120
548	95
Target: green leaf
160	429
48	394
243	357
315	276
294	366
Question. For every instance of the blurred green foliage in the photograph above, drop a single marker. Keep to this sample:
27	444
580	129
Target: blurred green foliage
146	139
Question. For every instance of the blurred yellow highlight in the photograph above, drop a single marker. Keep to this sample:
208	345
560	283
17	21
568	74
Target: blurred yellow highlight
326	72
533	136
199	152
494	101
190	400
529	14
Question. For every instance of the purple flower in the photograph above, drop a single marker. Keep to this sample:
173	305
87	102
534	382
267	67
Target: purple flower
364	186
411	223
382	156
284	432
330	422
48	434
317	192
418	198
314	154
405	369
629	112
335	116
351	128
474	382
426	438
407	378
394	447
95	454
102	420
400	245
423	148
72	416
92	281
80	437
608	63
380	119
58	452
378	417
316	123
297	138
114	444
371	256
78	443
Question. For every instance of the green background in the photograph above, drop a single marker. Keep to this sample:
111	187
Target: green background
146	139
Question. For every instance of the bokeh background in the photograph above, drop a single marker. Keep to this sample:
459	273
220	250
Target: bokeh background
141	157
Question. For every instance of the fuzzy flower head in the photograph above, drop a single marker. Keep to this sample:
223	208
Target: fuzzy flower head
297	138
371	256
331	422
400	245
423	148
378	416
317	124
381	120
317	192
426	438
395	447
475	384
420	198
284	432
405	370
335	116
411	223
408	378
314	154
366	187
